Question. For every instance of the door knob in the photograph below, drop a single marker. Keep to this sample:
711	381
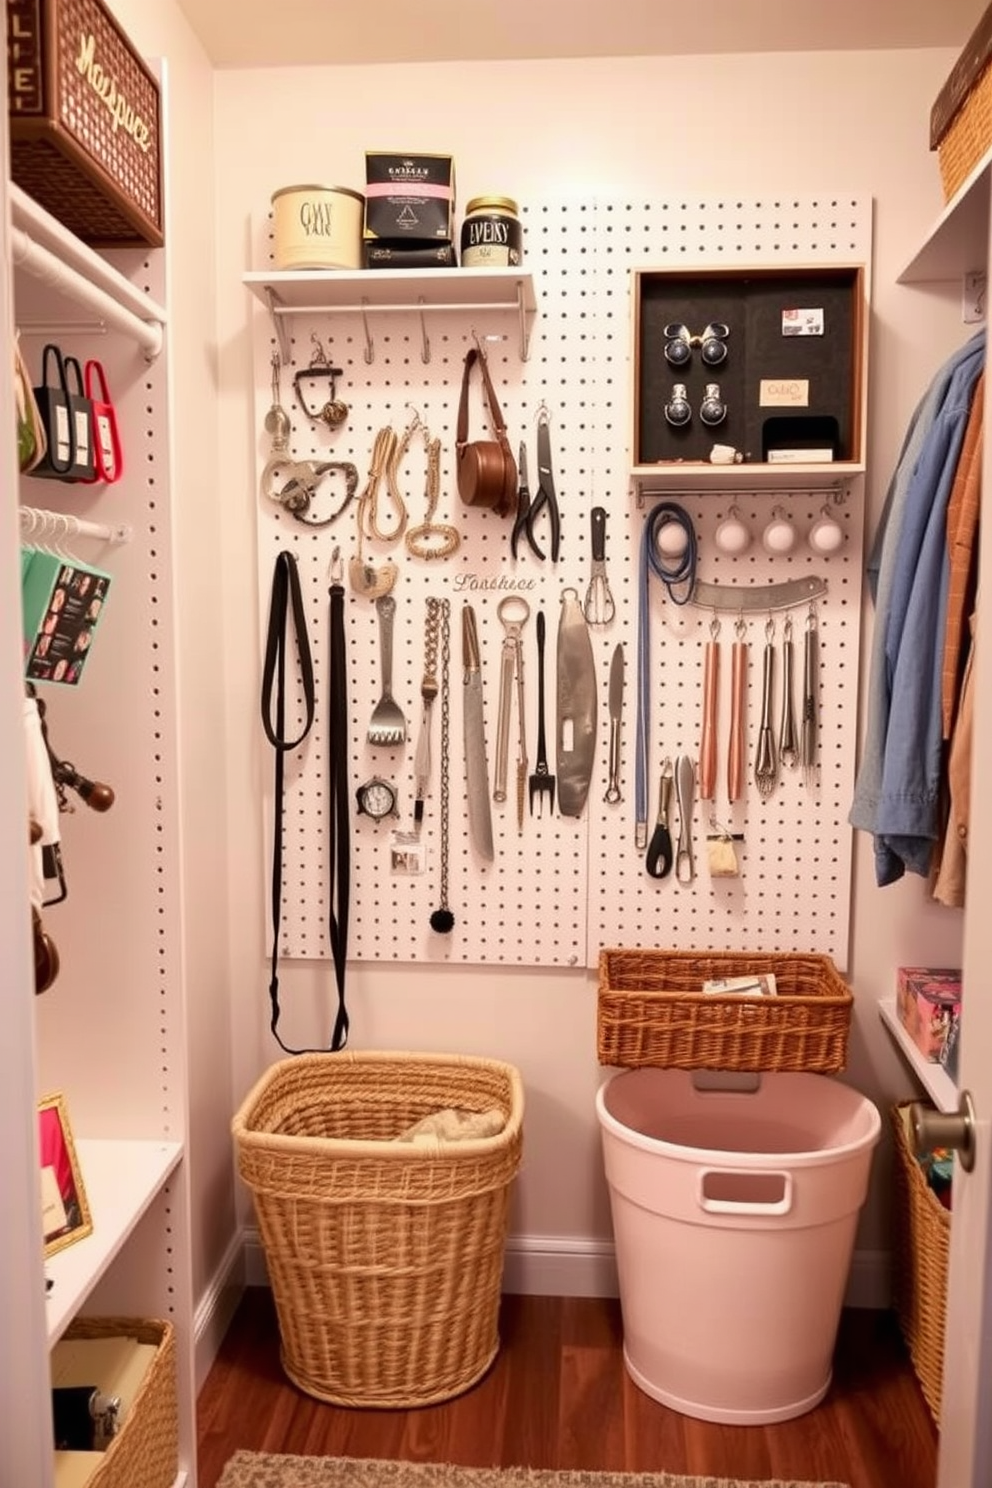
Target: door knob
955	1129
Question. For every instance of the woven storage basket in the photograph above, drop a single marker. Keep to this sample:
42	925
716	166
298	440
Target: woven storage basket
920	1244
651	1012
145	1452
85	121
385	1258
968	137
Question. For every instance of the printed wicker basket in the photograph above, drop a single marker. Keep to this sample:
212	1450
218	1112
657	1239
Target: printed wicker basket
652	1011
145	1452
921	1238
385	1257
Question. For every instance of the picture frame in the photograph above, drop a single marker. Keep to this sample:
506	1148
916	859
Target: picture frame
64	1206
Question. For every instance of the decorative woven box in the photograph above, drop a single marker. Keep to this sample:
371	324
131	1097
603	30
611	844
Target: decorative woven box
921	1238
652	1011
85	125
145	1452
961	117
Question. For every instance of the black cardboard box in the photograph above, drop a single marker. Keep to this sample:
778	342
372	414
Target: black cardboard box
409	198
379	255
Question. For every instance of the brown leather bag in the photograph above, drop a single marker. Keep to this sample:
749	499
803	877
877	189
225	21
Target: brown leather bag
487	471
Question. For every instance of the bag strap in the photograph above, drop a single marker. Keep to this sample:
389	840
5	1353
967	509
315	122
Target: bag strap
472	356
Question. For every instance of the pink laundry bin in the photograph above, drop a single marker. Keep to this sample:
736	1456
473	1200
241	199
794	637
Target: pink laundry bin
734	1216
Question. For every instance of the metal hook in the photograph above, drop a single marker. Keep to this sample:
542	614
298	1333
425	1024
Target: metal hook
319	358
542	413
369	352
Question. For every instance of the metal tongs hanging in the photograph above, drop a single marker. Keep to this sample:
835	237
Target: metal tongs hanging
809	732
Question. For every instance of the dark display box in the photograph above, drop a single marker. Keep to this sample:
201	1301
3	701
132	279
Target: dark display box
789	396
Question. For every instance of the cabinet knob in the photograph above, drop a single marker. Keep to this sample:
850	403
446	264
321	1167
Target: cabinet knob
954	1129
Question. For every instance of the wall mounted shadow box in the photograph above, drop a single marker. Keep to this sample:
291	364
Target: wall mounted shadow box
786	350
85	126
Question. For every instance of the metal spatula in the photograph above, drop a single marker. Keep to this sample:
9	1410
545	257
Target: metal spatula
387	725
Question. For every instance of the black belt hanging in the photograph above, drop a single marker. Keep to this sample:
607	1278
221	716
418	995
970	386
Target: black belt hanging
287	602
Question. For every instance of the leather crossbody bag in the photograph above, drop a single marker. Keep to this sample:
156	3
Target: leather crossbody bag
487	471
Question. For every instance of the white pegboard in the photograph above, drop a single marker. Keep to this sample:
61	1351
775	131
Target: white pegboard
563	888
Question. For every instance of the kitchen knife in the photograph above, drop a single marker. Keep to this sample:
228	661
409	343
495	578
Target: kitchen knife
616	710
576	717
480	821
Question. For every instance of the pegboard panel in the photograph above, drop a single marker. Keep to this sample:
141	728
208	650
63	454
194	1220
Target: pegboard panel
562	888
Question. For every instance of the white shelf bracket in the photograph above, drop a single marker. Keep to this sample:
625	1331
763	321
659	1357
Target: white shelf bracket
278	328
425	345
524	327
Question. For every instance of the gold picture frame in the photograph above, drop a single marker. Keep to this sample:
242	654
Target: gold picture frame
64	1207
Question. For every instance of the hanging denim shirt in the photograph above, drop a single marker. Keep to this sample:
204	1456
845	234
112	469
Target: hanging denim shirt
906	818
884	551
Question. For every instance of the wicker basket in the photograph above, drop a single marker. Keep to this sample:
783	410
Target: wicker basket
145	1452
652	1012
385	1258
920	1244
968	137
85	121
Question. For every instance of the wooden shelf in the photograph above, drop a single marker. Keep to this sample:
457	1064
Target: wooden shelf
933	1077
958	241
121	1178
668	479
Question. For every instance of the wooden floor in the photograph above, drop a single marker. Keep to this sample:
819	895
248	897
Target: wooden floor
558	1396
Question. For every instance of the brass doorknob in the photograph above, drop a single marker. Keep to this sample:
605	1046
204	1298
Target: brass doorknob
955	1129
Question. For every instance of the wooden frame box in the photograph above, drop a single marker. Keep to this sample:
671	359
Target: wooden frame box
85	122
793	379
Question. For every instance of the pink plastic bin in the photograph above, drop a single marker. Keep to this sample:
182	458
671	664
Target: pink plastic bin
734	1214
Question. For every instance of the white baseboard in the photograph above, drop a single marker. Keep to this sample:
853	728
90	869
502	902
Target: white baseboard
562	1266
217	1306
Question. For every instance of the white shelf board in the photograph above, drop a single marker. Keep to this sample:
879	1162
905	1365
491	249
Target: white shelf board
121	1178
663	479
933	1077
958	241
440	289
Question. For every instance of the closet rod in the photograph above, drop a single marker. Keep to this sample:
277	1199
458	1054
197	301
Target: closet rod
62	525
49	233
42	264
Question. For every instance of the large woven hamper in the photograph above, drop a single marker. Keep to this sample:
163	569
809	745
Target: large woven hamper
921	1241
385	1258
651	1010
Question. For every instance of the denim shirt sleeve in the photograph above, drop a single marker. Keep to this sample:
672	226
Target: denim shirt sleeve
906	816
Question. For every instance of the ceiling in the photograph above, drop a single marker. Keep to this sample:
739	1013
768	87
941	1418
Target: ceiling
260	33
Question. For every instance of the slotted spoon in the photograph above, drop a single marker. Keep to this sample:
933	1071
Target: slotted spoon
387	725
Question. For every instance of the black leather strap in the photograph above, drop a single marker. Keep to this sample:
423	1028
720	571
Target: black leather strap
339	840
285	608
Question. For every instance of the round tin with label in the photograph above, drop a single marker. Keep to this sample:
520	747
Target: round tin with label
492	237
317	227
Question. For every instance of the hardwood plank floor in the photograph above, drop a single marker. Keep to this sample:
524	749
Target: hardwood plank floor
558	1396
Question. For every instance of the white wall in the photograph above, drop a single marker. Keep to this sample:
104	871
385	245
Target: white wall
160	30
617	128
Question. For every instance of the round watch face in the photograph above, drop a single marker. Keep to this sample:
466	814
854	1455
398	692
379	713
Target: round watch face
376	798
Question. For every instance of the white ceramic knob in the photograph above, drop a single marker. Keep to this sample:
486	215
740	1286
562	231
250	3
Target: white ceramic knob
826	535
671	540
779	537
732	536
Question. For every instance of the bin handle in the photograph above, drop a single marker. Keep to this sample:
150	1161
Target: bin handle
744	1206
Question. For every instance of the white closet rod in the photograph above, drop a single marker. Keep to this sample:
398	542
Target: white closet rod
63	525
46	230
42	264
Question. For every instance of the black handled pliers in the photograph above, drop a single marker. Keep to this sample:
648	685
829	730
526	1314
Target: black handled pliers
527	509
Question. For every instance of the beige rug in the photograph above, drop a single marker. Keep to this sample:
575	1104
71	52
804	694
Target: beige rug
264	1470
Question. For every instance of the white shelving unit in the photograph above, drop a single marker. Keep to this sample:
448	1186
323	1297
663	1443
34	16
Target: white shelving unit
110	1035
956	244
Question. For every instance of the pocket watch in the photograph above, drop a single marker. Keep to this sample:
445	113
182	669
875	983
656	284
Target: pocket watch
376	798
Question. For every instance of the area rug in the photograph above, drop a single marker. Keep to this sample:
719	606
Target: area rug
265	1470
